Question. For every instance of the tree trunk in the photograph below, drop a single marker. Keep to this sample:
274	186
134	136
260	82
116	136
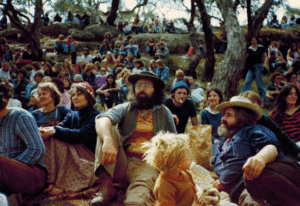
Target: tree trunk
191	71
34	31
255	22
113	12
210	56
229	71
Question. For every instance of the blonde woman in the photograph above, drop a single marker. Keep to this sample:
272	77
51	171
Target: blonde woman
70	152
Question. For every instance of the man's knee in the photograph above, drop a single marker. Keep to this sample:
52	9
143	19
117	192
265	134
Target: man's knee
246	199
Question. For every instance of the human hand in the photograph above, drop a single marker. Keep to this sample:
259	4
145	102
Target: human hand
176	119
105	92
6	81
253	167
218	185
199	195
109	153
46	132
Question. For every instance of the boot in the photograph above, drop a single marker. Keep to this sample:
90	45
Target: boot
107	192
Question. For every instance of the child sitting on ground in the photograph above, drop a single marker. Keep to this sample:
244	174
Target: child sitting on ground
170	154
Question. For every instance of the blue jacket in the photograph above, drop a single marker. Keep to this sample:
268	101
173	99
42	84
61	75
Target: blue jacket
162	73
79	128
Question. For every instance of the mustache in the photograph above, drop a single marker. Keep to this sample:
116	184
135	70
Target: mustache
144	93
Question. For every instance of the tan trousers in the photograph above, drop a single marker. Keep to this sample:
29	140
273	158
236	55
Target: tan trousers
139	175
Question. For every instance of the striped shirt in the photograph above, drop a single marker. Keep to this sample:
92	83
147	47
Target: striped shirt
290	125
20	138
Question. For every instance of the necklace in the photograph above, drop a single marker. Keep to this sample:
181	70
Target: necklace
144	114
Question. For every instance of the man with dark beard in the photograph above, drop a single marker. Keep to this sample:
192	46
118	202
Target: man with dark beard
248	162
119	152
21	150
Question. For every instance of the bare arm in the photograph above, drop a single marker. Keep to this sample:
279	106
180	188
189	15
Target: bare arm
265	59
194	120
103	129
256	164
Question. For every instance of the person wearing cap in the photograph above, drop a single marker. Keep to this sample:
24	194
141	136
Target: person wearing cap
162	52
249	162
71	145
22	169
78	78
119	152
181	107
86	57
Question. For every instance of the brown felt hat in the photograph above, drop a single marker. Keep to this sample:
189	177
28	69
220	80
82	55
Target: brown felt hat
146	75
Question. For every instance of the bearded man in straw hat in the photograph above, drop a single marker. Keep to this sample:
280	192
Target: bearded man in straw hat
118	152
248	162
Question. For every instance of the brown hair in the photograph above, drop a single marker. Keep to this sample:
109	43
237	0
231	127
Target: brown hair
77	88
253	96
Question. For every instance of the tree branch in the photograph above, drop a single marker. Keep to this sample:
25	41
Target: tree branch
236	4
137	6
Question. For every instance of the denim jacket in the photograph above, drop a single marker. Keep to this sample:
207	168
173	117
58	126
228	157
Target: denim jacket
244	144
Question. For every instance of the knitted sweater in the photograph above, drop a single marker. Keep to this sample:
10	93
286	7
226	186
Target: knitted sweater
79	128
170	190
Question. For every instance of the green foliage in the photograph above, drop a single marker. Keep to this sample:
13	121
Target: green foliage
292	11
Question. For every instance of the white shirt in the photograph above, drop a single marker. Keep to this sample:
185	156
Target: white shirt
14	103
4	75
85	59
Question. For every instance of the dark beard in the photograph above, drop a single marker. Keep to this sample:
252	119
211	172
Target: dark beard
144	102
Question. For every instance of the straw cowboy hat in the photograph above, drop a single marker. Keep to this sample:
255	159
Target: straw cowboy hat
239	101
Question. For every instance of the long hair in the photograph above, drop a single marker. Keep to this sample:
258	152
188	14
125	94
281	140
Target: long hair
158	95
281	105
113	85
218	91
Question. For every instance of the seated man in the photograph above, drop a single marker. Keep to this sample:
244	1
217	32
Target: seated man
21	166
248	162
60	45
119	153
162	52
181	107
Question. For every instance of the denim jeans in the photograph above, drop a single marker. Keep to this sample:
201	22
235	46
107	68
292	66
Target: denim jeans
259	82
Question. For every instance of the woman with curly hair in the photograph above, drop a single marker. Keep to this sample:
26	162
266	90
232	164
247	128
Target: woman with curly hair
286	112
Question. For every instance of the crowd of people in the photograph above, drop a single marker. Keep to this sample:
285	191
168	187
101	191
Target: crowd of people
55	140
135	27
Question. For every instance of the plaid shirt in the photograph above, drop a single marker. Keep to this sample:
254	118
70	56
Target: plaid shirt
20	138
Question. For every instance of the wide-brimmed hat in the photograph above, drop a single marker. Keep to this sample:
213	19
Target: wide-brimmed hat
146	75
239	101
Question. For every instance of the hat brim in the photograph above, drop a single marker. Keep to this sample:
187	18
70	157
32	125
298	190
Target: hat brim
156	81
254	108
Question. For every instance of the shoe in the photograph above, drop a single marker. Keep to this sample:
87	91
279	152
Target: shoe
107	192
